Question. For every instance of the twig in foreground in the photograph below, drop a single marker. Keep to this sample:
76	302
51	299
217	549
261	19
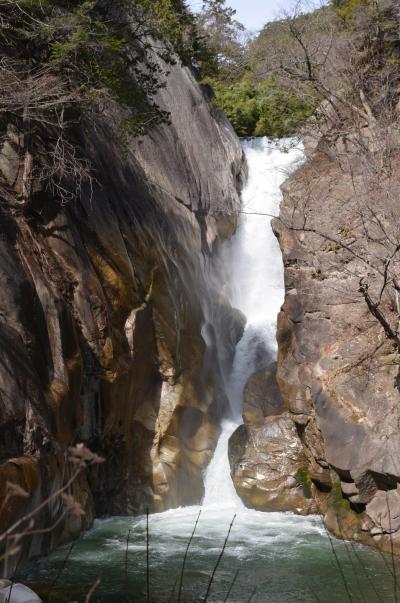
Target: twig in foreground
171	597
185	557
231	586
219	560
126	566
60	571
343	577
92	590
147	557
395	596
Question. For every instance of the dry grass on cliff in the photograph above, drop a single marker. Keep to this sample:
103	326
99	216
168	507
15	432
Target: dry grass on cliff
34	101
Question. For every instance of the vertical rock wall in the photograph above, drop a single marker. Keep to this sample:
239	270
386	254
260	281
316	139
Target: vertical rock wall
113	329
337	369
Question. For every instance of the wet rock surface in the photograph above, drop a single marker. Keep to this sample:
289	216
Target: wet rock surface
266	462
265	453
109	312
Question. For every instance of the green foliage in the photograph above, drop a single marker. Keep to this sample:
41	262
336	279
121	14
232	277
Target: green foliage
303	477
346	9
264	109
256	106
340	504
239	103
103	51
173	21
281	113
346	54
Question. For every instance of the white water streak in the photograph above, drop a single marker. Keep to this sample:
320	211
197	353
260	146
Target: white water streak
255	263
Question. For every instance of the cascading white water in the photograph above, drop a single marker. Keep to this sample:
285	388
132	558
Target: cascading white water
287	557
254	261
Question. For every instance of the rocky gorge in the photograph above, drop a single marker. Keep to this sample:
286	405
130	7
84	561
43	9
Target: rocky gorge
207	327
272	474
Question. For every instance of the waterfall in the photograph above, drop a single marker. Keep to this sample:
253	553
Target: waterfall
254	261
287	557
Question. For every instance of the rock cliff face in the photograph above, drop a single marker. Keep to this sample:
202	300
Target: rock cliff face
113	329
337	368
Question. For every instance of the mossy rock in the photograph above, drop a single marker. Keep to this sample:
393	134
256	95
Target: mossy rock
303	477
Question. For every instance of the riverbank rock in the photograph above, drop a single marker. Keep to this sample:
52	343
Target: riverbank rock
17	593
267	465
338	371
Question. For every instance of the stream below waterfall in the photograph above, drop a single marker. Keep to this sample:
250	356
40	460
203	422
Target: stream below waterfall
279	557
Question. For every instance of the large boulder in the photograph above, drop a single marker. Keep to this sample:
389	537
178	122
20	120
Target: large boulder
261	397
268	466
379	510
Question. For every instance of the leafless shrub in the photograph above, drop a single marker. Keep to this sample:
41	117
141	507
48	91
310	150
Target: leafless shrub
11	539
33	102
352	72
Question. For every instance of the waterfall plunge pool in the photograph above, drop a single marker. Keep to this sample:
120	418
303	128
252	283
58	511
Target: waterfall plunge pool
281	557
287	558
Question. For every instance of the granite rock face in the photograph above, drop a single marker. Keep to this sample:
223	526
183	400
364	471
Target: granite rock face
265	453
113	327
266	463
262	397
337	368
